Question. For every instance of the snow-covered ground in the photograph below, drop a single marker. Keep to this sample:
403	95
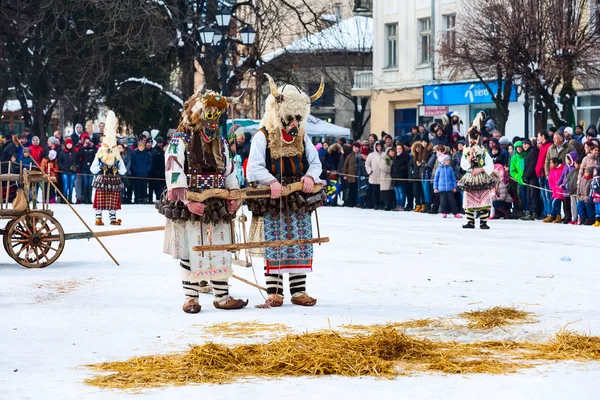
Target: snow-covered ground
378	267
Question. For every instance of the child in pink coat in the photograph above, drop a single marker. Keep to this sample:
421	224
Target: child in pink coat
558	194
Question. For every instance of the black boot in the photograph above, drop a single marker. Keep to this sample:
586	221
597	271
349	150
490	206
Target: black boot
484	225
468	225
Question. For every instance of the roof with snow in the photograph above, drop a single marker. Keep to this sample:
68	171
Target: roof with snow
14	105
353	35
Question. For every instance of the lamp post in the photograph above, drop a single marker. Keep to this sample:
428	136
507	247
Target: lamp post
526	106
220	38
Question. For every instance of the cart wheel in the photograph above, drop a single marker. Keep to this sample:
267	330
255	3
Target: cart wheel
5	236
34	240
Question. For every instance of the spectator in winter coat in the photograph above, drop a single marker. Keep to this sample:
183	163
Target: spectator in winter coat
517	168
591	133
530	179
372	166
399	175
595	195
363	177
87	153
27	137
556	168
571	188
334	160
49	165
157	173
585	206
570	139
440	138
540	170
76	136
415	172
9	150
67	165
349	175
385	178
501	201
27	161
141	164
501	156
590	160
562	184
444	184
559	150
35	150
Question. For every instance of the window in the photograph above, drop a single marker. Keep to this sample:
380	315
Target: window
424	40
449	30
391	34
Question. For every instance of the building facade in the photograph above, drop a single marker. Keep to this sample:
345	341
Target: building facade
407	85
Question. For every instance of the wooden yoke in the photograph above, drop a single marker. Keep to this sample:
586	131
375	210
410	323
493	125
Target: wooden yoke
248	193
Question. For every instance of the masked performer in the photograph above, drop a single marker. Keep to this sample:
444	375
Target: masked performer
198	158
478	183
108	167
281	153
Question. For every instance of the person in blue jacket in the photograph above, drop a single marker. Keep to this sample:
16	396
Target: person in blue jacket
141	165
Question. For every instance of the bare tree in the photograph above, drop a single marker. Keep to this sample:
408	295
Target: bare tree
566	49
57	50
483	46
550	45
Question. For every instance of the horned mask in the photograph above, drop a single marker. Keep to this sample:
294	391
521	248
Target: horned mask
476	129
286	111
202	112
108	152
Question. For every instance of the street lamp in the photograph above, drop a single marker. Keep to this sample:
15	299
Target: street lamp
248	34
223	17
219	38
207	34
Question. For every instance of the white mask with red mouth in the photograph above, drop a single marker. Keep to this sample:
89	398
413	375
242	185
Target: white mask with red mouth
291	129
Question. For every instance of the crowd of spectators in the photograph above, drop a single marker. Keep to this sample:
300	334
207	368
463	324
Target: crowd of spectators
69	161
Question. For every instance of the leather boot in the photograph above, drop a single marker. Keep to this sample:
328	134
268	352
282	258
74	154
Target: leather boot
304	300
275	300
231	304
191	307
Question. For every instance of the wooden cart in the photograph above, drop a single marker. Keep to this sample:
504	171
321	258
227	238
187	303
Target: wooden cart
32	237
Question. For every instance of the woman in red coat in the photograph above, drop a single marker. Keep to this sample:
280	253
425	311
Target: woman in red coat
36	151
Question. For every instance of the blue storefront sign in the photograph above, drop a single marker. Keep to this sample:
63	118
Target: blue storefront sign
461	93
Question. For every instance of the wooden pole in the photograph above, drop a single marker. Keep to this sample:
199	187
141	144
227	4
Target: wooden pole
248	193
130	231
18	143
249	282
259	245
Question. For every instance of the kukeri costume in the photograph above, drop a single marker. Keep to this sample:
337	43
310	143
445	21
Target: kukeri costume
108	168
198	158
478	183
281	153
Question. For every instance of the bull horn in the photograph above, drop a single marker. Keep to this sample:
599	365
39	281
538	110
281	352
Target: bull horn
273	87
203	90
235	100
319	92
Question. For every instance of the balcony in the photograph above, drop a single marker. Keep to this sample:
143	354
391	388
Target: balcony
363	82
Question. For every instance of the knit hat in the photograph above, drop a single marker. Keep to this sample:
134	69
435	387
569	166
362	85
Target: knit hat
569	130
526	141
68	141
504	140
54	141
365	150
442	158
52	154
